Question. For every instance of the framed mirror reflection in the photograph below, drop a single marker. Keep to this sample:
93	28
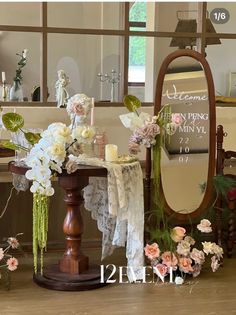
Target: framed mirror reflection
188	156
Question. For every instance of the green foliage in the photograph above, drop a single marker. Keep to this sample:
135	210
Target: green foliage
137	47
18	77
12	121
40	227
15	122
137	51
138	12
222	184
131	102
32	138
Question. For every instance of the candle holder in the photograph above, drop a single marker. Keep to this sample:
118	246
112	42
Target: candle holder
113	78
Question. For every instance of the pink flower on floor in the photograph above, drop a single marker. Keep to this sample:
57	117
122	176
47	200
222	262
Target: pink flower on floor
183	248
214	263
177	234
204	226
169	259
198	256
1	253
152	251
13	242
12	264
185	264
163	269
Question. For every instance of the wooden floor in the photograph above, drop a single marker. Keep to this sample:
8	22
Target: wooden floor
211	293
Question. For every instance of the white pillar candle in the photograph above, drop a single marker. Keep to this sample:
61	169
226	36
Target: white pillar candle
3	76
111	152
92	113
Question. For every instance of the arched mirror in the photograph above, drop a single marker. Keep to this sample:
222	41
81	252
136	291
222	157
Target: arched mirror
188	158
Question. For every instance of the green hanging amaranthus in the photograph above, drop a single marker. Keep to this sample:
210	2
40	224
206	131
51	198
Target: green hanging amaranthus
161	230
40	228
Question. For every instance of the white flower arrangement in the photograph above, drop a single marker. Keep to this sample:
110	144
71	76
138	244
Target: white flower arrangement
50	154
78	107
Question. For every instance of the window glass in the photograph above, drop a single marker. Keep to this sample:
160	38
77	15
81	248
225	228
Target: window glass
94	15
221	71
82	57
20	13
218	16
12	43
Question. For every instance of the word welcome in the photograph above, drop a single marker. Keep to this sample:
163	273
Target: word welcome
183	96
123	271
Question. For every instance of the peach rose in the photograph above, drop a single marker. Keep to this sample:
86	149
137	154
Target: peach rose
169	259
177	234
163	269
204	226
152	251
185	264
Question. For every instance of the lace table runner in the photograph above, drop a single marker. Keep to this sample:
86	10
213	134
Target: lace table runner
116	202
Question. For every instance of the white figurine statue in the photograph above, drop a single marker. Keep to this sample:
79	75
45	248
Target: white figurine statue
62	95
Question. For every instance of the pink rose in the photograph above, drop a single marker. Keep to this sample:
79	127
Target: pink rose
78	109
169	259
12	264
177	234
185	264
163	269
204	226
198	256
183	248
152	251
177	119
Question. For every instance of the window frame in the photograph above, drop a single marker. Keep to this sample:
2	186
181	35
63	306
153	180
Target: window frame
126	33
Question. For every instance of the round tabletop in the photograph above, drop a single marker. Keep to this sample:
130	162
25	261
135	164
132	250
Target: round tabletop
83	170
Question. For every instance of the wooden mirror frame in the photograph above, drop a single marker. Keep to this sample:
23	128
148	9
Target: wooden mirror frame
212	134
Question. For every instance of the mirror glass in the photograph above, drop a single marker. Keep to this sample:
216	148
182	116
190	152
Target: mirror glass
184	160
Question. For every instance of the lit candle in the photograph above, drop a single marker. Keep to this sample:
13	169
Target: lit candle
111	152
92	113
3	76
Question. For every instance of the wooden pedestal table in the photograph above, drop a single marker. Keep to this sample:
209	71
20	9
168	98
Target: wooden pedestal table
4	152
73	272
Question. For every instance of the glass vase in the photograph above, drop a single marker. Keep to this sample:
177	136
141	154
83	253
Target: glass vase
99	143
16	93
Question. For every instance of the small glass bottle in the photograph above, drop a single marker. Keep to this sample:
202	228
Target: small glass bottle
99	144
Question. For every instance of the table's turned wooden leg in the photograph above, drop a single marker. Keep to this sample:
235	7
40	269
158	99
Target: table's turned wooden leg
73	261
73	273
